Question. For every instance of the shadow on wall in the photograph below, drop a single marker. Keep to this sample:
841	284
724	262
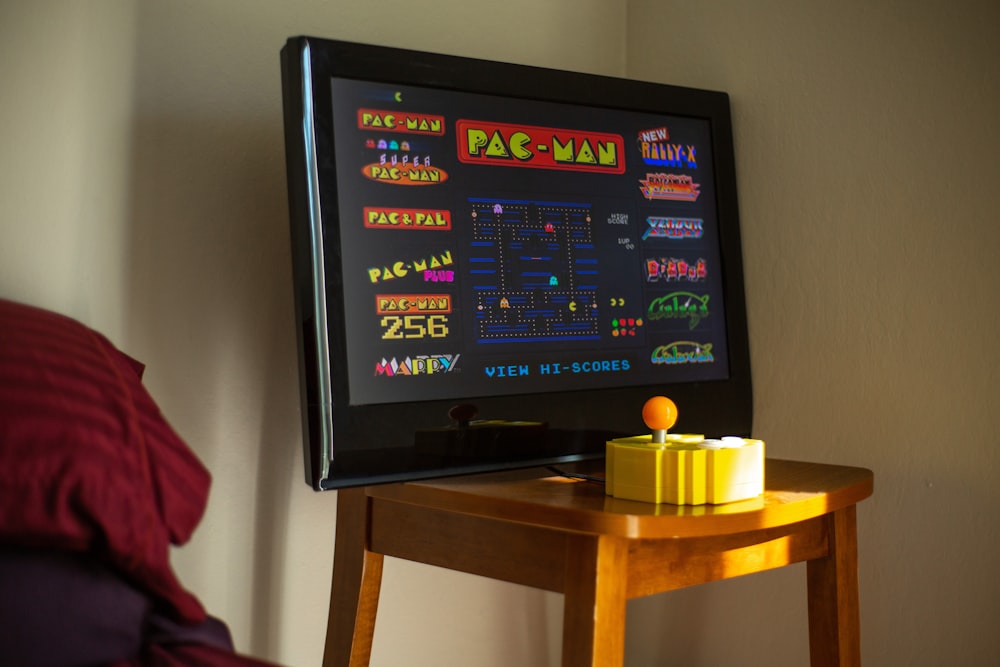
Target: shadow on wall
210	313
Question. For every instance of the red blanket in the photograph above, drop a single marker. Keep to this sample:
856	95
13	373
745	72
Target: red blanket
88	464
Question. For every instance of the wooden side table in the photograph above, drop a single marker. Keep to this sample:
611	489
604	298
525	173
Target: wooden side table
567	536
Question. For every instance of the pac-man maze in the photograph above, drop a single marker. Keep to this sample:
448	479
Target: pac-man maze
534	269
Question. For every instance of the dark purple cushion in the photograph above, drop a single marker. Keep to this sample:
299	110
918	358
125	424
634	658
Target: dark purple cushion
61	609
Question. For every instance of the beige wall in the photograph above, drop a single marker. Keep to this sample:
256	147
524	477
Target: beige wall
142	190
65	123
867	142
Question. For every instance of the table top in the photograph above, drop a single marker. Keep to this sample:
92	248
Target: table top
794	491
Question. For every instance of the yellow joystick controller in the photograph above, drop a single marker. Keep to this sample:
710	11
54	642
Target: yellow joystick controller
682	469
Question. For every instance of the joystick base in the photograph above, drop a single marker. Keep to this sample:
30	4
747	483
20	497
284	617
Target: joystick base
685	470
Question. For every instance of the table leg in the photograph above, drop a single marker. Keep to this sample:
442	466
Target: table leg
594	605
357	580
834	619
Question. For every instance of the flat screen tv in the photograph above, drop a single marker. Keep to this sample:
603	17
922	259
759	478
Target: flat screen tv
495	265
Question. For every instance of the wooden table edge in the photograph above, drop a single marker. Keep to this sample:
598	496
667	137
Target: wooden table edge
795	491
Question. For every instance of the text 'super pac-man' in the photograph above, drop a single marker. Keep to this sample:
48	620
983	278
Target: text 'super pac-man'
485	142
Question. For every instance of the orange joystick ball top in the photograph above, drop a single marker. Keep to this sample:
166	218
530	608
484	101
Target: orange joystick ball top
660	414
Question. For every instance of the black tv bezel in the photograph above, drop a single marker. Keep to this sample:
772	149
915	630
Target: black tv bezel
380	437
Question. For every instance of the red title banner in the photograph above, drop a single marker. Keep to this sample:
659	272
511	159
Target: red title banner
504	144
386	304
406	218
400	121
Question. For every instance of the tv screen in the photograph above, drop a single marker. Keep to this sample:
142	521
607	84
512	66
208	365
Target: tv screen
495	265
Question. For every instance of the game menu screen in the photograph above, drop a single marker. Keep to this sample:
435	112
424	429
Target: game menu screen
493	246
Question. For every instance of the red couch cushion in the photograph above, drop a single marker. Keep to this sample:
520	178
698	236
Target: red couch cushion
87	462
